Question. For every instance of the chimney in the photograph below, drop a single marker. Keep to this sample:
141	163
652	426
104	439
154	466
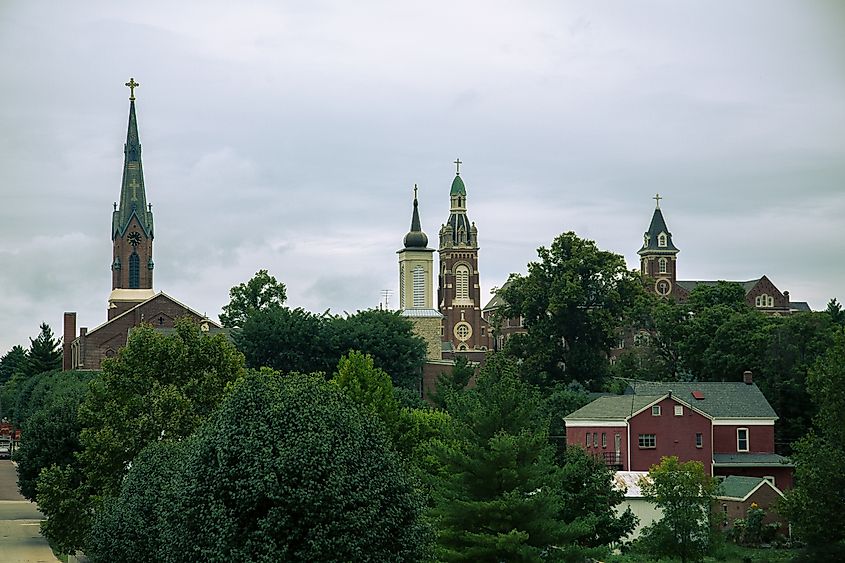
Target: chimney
67	338
746	377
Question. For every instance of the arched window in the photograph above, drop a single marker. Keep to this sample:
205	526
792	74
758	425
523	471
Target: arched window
462	283
661	266
661	239
419	287
764	301
134	271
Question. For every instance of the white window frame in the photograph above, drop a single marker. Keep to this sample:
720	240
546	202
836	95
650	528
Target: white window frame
679	410
604	439
699	440
647	441
588	440
662	266
747	440
418	275
662	240
462	283
655	410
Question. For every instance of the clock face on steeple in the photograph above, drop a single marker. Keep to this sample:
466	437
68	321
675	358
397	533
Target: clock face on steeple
134	238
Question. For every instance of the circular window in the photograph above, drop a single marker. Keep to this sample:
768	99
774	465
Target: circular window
463	330
663	287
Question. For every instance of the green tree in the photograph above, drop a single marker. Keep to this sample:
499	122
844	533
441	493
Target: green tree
389	338
288	340
12	362
44	354
499	498
814	506
722	293
370	387
572	301
685	493
261	293
308	478
453	381
51	431
586	488
158	388
835	312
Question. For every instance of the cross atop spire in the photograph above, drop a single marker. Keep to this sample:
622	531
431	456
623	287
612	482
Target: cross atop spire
657	198
132	85
458	165
415	191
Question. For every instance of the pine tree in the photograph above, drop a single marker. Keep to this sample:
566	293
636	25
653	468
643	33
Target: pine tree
13	361
44	353
451	382
498	500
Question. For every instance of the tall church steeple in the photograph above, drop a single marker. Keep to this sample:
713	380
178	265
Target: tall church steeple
132	226
459	292
658	255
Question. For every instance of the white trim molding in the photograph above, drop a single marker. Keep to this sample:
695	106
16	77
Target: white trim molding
744	421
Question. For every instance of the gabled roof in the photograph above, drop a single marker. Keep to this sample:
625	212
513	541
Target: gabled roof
722	399
613	408
496	301
799	306
689	285
142	303
739	488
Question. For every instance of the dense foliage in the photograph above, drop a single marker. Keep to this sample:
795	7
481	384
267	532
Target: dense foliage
261	293
500	497
287	469
814	506
572	301
685	493
158	388
51	426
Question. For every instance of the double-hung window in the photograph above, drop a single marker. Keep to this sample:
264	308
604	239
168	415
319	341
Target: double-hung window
647	441
742	439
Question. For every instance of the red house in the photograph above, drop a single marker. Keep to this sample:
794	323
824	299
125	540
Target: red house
728	427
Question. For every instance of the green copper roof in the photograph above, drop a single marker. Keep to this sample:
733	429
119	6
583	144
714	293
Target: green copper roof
738	487
613	407
458	187
722	399
751	460
133	198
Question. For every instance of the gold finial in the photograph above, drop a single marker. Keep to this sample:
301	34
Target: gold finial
657	198
458	165
132	85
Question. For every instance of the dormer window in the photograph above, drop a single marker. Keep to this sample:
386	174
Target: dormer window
661	240
661	266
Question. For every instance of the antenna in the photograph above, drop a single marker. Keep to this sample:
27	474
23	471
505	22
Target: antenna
385	295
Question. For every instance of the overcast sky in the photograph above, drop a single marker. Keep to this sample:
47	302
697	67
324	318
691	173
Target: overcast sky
289	135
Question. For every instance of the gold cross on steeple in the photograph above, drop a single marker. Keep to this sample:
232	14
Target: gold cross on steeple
657	198
458	164
132	85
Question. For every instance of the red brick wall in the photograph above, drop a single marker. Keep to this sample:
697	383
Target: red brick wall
108	339
577	436
761	439
675	436
765	497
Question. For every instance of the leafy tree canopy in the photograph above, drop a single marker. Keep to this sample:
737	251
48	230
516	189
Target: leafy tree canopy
369	387
309	478
572	301
685	493
814	506
261	293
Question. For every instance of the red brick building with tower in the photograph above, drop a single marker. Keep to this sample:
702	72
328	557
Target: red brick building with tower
459	291
132	300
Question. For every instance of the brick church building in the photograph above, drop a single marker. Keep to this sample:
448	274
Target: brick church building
132	300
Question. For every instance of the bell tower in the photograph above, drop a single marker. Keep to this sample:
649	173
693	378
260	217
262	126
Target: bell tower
132	227
658	256
459	292
416	279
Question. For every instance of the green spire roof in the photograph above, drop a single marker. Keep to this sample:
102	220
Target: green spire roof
133	198
458	187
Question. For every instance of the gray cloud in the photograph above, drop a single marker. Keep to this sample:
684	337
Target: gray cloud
288	136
